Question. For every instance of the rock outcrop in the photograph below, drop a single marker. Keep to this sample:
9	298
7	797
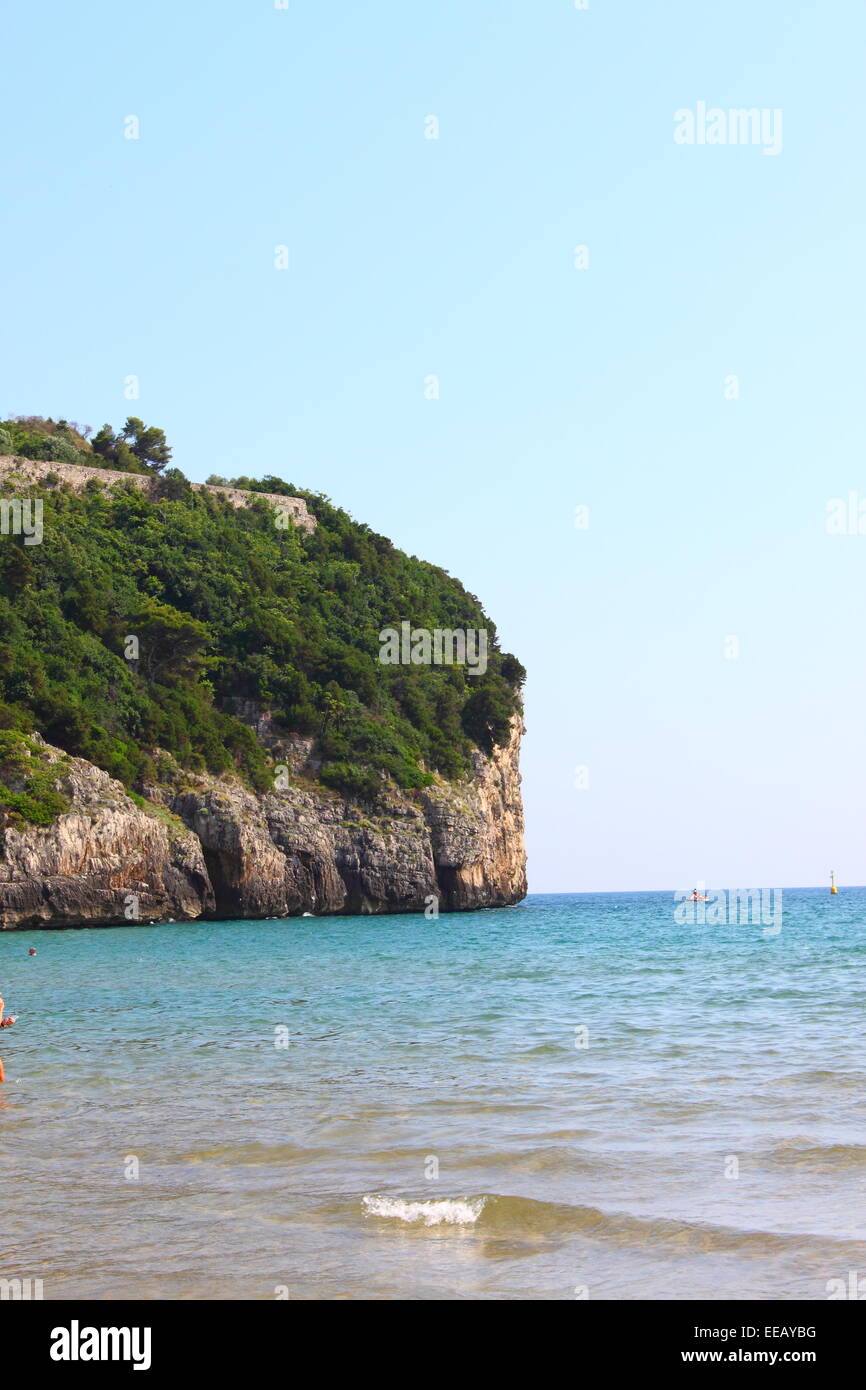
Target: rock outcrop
35	472
202	847
103	861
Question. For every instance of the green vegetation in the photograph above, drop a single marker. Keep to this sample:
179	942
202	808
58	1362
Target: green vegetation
226	608
27	782
138	448
58	441
172	823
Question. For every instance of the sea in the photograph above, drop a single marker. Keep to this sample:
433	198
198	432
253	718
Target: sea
581	1097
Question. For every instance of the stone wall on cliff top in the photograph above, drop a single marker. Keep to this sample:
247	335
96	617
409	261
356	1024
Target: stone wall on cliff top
35	471
204	847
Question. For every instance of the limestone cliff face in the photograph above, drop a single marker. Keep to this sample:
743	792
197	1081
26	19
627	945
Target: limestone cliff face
205	847
103	861
476	831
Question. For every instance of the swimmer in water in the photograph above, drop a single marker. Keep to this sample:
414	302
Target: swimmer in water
4	1023
32	951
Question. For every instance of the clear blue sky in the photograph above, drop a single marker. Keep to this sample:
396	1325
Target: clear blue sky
411	257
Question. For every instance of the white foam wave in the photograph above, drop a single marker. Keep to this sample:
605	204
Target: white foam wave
452	1211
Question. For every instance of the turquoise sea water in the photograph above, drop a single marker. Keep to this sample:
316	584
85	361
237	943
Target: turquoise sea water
432	1130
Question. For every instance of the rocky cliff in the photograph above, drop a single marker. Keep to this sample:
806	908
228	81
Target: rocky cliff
202	847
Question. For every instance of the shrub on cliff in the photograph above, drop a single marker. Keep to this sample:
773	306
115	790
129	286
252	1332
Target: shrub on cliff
28	791
35	437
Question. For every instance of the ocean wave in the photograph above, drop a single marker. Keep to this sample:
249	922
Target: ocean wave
847	1080
508	1217
252	1154
808	1154
449	1211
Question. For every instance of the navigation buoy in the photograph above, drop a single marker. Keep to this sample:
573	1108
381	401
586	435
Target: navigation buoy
833	888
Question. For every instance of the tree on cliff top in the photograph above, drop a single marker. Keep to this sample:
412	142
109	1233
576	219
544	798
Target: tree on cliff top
138	448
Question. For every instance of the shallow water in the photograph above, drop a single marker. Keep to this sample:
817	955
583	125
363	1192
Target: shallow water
434	1127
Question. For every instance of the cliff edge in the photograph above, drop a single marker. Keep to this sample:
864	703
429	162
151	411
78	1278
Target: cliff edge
202	847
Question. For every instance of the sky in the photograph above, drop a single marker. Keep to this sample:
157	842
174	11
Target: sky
285	222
